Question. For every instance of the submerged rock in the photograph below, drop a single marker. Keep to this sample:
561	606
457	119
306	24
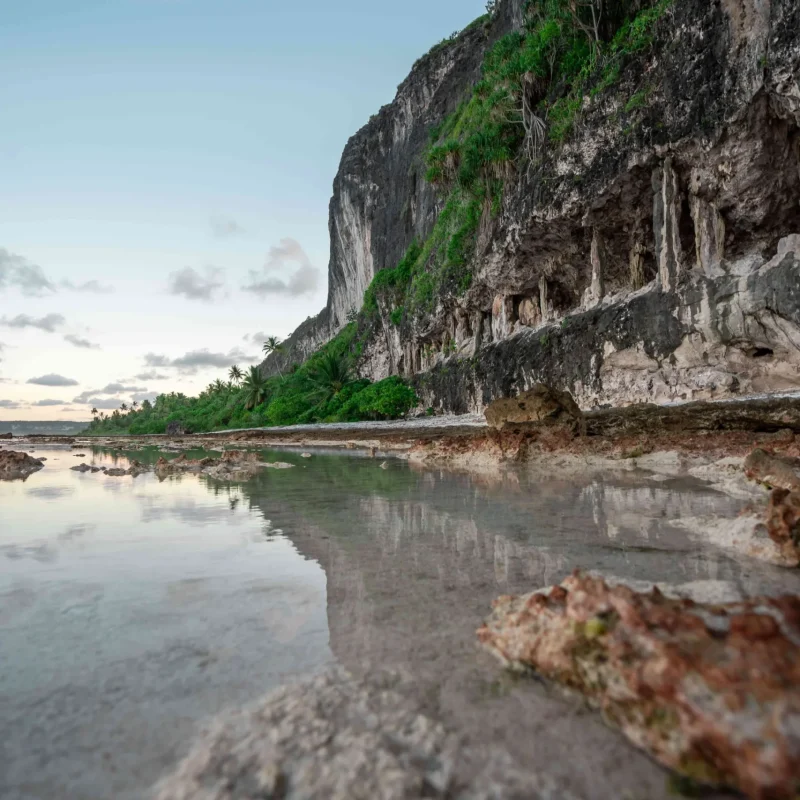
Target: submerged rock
336	737
116	472
233	464
82	467
15	465
709	690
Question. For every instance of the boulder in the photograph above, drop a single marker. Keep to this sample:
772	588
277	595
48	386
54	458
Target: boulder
540	405
783	524
176	429
711	691
778	472
16	465
8	435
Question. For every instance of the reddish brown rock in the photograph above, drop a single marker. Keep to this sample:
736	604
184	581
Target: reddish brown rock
783	523
711	691
777	472
16	465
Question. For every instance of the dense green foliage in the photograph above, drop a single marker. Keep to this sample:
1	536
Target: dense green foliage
324	389
530	94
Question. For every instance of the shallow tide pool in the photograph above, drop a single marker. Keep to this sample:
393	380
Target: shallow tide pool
132	610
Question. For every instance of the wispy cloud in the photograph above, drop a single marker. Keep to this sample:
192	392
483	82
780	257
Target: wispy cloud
223	227
48	323
93	287
257	338
78	342
151	376
18	272
194	285
44	403
196	360
280	259
52	380
104	403
118	388
9	404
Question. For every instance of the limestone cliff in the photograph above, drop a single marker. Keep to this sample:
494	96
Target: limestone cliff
653	254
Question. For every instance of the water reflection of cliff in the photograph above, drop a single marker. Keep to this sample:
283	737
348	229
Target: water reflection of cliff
408	553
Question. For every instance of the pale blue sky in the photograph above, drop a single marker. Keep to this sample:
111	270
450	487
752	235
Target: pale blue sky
142	137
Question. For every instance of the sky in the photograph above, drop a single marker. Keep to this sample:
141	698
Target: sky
166	171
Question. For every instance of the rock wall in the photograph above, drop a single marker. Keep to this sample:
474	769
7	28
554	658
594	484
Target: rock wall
653	256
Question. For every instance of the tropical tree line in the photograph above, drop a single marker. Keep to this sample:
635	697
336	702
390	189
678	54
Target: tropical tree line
324	389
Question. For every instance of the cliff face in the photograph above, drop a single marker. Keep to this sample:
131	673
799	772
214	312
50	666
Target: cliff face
380	200
653	255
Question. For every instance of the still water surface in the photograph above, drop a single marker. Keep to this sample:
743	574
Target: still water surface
132	610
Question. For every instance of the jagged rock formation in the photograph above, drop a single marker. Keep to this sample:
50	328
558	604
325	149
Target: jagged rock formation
709	690
655	255
16	465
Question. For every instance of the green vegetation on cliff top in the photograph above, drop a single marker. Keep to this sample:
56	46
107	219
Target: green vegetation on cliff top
529	97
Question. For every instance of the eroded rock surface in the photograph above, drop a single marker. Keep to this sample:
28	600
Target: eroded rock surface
339	738
16	465
233	464
540	405
709	690
773	470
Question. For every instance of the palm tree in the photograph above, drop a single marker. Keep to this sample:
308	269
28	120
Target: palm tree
271	346
134	405
219	385
123	407
95	412
255	387
329	374
235	374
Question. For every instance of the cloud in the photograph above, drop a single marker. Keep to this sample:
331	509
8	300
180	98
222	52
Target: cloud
90	396
151	376
140	397
9	404
193	285
18	272
78	342
195	360
303	281
49	403
48	323
53	380
256	338
154	360
94	287
119	388
105	403
223	227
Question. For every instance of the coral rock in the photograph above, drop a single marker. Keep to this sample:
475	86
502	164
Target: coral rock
17	465
711	691
540	405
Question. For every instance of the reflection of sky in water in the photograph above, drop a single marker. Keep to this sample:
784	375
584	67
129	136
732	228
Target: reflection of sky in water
130	610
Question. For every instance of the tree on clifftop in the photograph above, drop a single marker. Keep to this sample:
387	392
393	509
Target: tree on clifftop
273	345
